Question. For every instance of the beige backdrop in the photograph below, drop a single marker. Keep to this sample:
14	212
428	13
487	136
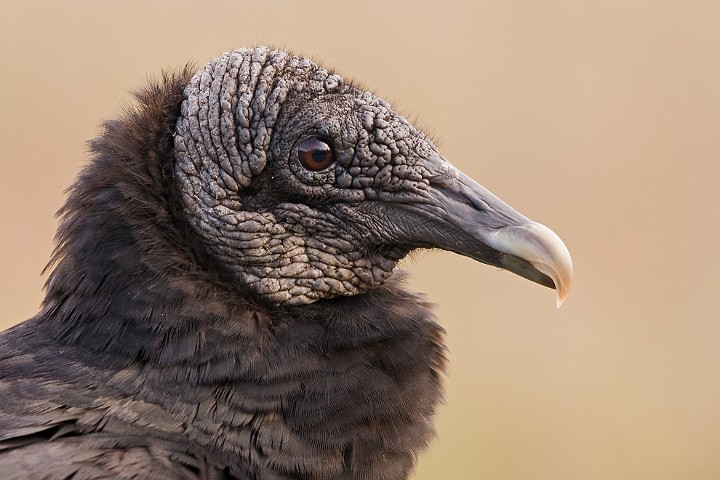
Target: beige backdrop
599	118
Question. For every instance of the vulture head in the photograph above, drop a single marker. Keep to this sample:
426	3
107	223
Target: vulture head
301	186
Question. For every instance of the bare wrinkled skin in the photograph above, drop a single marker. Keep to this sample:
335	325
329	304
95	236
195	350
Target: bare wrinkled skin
243	116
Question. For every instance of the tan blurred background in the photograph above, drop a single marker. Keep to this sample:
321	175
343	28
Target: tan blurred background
599	118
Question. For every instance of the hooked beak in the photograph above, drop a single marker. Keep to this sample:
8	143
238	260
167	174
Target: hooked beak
462	216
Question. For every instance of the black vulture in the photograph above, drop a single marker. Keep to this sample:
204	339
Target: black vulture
223	300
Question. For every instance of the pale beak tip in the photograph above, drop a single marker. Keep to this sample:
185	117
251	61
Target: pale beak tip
542	248
548	253
561	295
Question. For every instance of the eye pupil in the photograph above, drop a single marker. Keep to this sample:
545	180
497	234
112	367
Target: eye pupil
315	154
319	156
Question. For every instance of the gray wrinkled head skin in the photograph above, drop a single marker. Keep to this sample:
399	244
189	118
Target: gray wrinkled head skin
288	234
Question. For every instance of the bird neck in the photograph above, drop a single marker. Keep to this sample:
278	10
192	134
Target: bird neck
345	383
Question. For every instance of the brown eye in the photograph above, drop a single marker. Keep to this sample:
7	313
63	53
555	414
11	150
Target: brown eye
315	154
